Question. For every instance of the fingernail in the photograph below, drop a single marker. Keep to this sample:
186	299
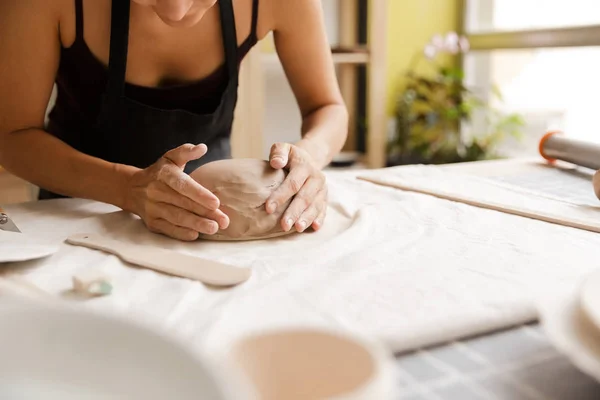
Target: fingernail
301	226
289	223
225	223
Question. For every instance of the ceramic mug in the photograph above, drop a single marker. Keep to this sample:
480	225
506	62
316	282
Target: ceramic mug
63	352
314	363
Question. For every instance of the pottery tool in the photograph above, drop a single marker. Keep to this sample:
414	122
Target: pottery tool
166	261
555	146
6	224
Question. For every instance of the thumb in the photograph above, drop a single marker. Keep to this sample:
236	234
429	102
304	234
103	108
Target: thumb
280	153
185	153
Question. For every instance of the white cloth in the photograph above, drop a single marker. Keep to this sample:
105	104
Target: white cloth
491	193
409	269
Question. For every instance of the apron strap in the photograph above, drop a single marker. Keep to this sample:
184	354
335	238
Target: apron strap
119	40
229	37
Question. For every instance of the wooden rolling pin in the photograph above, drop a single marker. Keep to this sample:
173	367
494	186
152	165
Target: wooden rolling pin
554	146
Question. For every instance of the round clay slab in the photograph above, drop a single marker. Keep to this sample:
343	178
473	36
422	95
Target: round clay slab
16	247
589	298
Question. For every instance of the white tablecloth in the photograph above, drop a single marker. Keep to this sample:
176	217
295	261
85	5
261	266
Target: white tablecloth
409	269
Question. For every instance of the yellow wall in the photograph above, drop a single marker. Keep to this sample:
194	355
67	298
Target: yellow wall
411	24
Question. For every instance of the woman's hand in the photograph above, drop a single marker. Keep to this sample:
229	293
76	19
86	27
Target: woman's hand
170	202
305	181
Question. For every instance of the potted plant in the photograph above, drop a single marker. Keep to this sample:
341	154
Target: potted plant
432	108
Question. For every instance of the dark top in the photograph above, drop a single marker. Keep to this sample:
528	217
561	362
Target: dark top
98	113
82	78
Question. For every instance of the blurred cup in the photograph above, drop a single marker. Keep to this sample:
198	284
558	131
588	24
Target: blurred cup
303	363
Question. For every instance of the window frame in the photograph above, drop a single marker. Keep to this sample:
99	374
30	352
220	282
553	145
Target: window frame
576	36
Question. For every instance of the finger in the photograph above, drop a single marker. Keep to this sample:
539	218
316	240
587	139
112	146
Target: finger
183	184
303	200
176	232
320	220
309	215
280	154
182	218
186	153
291	185
164	194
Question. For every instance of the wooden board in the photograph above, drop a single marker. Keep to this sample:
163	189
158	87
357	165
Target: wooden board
166	261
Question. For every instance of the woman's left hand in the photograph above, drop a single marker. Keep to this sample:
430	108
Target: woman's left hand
305	181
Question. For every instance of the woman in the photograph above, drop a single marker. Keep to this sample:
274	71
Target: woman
146	94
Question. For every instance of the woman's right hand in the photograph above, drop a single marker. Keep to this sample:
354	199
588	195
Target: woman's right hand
170	202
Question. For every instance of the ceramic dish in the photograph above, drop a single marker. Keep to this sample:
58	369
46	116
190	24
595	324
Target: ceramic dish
302	363
56	352
589	298
571	332
16	247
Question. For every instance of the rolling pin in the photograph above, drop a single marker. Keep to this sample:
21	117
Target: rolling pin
554	146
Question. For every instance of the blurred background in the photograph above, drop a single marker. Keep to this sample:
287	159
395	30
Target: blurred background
432	81
462	80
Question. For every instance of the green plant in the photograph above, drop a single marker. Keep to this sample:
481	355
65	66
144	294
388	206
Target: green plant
431	109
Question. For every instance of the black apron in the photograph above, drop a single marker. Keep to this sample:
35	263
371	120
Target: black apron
129	132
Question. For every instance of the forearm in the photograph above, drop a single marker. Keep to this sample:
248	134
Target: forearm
324	133
46	161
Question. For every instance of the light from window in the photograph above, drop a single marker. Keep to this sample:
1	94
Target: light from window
551	88
503	15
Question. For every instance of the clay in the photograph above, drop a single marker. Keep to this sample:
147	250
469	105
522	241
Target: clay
243	186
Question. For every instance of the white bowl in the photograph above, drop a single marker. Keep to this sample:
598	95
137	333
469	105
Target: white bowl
55	352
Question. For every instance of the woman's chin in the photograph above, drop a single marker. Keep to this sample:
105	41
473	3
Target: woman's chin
187	22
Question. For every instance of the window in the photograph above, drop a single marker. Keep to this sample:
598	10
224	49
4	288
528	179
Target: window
510	15
544	58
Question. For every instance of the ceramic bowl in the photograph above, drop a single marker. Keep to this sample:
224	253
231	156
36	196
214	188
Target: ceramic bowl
57	352
304	363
